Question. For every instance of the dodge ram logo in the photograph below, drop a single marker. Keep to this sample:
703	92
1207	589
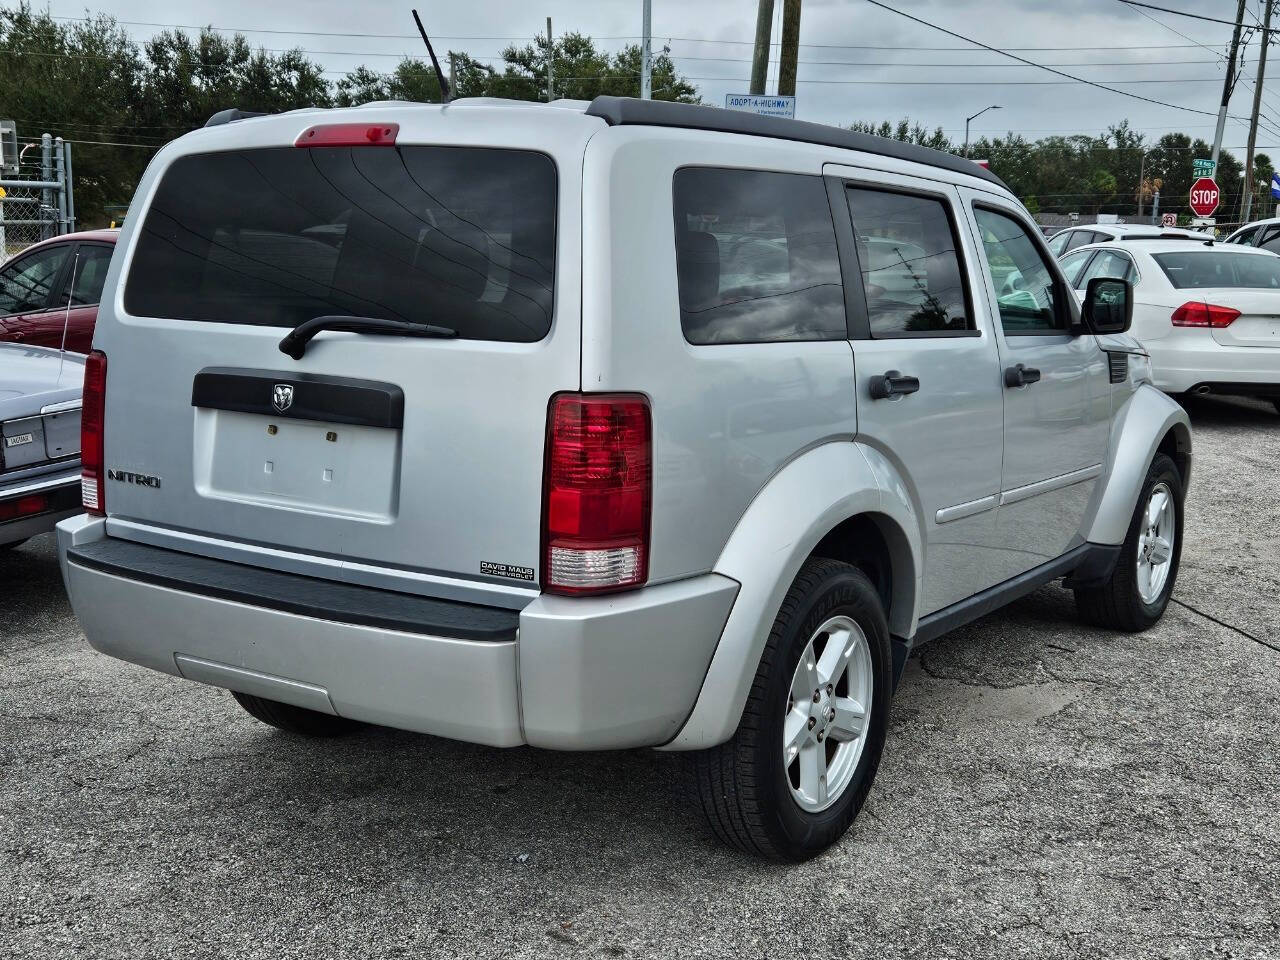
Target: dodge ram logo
282	396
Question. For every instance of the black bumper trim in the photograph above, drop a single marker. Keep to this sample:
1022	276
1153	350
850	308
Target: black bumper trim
291	593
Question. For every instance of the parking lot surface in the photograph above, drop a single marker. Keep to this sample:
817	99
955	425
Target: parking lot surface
1047	790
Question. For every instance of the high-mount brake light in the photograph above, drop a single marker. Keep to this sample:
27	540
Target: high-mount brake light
1197	313
597	492
349	135
93	473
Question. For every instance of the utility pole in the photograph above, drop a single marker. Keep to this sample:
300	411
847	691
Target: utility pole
551	55
1246	204
1142	182
1228	84
790	55
646	53
764	36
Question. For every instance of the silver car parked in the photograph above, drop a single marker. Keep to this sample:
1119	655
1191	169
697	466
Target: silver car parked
39	440
602	425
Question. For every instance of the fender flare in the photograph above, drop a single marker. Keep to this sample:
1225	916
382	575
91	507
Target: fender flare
1136	433
803	502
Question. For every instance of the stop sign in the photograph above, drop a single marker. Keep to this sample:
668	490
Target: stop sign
1204	197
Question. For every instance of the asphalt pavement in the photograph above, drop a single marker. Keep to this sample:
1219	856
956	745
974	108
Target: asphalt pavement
1047	790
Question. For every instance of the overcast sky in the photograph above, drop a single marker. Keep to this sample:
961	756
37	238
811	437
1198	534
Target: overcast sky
905	69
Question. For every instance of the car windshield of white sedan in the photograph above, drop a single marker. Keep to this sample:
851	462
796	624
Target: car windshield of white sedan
1220	268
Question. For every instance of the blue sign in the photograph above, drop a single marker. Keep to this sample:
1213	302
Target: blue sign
763	105
1275	186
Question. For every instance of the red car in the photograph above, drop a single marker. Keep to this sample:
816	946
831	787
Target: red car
39	285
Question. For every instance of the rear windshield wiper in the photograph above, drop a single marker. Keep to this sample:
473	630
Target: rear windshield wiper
295	341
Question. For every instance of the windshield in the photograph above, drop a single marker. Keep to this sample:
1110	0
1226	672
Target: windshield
455	236
1220	268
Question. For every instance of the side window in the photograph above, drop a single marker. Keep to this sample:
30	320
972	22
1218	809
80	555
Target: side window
1072	263
26	282
1245	237
1108	263
1058	242
911	271
86	277
1079	238
1269	238
756	257
1034	305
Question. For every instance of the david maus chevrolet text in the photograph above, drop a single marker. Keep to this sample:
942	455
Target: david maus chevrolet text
602	425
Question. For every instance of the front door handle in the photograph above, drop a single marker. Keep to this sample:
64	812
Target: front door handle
1020	375
893	384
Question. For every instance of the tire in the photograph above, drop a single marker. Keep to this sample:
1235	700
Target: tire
12	546
1119	603
746	789
285	716
1276	403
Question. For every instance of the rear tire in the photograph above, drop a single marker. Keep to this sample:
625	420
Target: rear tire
754	789
1120	603
299	720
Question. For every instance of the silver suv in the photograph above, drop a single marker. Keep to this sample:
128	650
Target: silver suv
603	425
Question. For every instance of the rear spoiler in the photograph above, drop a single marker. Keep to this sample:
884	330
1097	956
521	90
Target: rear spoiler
231	116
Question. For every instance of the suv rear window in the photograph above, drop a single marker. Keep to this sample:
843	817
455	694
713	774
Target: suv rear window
462	237
1220	268
756	257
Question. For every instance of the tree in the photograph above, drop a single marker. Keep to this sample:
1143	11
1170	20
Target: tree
907	132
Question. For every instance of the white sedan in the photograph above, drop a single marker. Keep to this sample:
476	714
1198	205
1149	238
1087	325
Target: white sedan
1208	314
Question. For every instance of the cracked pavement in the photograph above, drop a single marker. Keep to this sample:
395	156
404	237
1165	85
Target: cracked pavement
1047	790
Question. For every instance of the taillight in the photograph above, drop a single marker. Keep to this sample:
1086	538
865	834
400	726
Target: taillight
24	507
349	135
597	492
1199	314
93	472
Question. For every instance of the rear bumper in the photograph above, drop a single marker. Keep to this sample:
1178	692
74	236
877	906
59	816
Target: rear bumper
591	673
61	492
1240	371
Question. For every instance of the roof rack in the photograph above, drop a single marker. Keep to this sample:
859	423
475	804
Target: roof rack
231	116
627	111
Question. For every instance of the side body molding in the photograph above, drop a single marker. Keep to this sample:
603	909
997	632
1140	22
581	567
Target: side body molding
792	513
1136	431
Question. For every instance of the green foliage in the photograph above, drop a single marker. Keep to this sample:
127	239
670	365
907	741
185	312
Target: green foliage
1103	174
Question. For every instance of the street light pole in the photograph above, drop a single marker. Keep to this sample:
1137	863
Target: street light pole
994	106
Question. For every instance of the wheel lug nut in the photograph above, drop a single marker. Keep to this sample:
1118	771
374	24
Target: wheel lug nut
813	722
830	687
819	736
817	695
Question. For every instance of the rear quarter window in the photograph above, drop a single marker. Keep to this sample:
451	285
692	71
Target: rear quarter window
462	237
756	257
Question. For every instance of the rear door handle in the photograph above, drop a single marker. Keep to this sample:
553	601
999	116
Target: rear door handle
893	384
1020	375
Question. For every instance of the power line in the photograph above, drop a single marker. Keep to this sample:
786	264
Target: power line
1184	13
1032	63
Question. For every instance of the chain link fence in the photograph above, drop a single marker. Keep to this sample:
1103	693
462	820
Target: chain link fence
37	201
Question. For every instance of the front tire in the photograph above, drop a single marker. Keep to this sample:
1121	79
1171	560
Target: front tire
291	719
1138	592
791	780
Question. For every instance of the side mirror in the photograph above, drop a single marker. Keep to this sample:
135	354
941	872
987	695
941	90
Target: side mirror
1108	305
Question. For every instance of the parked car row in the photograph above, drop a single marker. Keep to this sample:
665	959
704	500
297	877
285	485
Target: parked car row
426	443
